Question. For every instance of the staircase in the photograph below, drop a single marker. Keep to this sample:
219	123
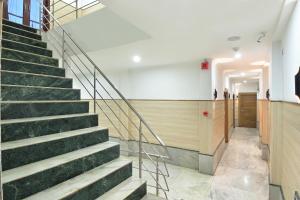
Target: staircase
52	147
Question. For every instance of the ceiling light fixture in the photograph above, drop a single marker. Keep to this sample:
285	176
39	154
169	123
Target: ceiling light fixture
261	36
261	63
234	38
245	81
136	59
243	74
237	54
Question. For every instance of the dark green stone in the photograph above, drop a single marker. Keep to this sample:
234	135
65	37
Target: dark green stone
13	65
28	57
138	194
21	26
18	38
21	32
29	185
13	93
27	48
40	109
17	157
11	78
22	130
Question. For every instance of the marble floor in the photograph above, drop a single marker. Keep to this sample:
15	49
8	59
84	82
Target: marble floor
241	174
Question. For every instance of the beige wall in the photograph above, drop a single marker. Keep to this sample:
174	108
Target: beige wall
179	123
285	147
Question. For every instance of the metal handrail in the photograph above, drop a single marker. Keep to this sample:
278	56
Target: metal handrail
141	119
297	196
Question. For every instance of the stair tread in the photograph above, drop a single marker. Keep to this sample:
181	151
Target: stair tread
39	166
24	37
31	63
11	121
47	138
33	74
123	190
22	43
22	25
73	185
20	29
29	86
34	54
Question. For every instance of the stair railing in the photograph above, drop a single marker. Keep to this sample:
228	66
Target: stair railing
65	46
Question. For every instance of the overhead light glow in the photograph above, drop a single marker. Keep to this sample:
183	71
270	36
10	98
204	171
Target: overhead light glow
260	63
223	60
237	55
245	81
136	59
243	74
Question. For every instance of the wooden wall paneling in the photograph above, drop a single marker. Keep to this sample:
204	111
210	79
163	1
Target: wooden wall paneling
218	121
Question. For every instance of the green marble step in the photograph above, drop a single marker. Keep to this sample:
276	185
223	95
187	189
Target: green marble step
28	57
20	26
20	66
16	129
130	189
23	39
25	47
16	110
89	185
14	153
19	183
21	32
29	93
152	197
29	79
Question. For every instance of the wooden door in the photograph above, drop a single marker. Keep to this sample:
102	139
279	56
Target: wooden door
247	110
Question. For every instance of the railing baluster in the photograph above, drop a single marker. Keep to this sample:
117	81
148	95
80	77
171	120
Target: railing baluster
157	177
63	49
95	90
76	9
140	150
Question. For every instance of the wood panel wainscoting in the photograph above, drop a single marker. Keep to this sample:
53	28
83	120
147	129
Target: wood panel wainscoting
181	124
284	142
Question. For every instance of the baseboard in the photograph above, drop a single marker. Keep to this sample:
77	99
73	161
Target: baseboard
204	163
275	192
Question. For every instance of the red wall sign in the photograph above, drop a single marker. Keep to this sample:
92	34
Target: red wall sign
205	65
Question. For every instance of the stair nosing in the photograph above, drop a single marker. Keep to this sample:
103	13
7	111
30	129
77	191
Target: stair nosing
40	87
21	29
42	48
48	138
19	24
30	53
31	63
25	37
70	185
33	74
35	167
31	119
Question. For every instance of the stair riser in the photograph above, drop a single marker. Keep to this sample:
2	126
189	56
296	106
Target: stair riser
29	185
27	57
21	32
30	93
138	194
17	157
20	26
16	131
27	110
11	65
25	40
103	185
33	80
26	48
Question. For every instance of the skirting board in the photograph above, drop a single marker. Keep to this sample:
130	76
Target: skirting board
275	192
205	164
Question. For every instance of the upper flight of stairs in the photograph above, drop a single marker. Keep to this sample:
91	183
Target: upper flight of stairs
51	146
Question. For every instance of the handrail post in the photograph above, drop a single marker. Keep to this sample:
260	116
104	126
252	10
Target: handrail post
140	150
94	90
63	49
53	13
157	177
76	9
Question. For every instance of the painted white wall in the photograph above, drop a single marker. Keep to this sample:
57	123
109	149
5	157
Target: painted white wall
276	72
247	87
291	56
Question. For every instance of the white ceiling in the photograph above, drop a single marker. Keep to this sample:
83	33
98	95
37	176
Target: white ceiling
172	31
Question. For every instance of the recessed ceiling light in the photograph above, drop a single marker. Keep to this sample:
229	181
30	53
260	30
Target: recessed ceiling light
245	81
234	38
136	59
237	54
243	74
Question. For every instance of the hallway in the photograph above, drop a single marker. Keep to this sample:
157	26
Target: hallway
242	174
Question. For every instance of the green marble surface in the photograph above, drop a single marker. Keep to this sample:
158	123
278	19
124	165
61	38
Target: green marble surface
12	93
13	65
28	57
25	40
27	48
11	78
27	28
21	32
29	185
19	156
27	110
22	130
138	193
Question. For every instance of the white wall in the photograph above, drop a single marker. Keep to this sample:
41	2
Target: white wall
276	73
247	87
291	56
